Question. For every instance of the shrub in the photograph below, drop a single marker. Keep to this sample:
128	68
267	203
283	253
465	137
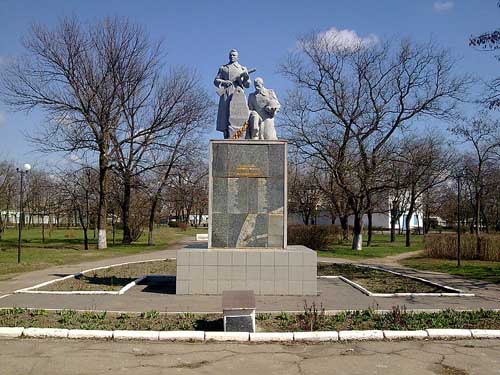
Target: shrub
316	237
173	224
444	246
183	226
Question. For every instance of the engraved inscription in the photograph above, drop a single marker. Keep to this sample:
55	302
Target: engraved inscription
248	170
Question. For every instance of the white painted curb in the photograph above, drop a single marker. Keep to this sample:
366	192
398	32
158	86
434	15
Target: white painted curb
397	335
45	332
361	335
486	333
316	336
227	336
271	336
89	334
11	331
182	335
432	333
136	335
448	333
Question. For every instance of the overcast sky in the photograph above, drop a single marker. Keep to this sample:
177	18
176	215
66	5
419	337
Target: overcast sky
200	33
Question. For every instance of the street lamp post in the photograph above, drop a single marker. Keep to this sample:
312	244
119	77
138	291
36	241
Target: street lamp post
25	170
459	231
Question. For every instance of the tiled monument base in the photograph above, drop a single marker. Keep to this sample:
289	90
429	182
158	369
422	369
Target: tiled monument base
290	271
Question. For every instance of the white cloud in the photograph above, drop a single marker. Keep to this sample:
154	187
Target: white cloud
345	40
443	6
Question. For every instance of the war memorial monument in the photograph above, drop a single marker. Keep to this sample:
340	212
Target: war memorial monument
247	232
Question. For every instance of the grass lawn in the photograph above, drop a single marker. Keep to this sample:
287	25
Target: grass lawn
380	247
471	269
65	246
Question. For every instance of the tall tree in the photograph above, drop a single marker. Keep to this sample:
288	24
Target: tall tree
76	73
349	100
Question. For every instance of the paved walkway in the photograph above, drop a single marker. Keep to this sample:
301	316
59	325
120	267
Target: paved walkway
71	357
333	294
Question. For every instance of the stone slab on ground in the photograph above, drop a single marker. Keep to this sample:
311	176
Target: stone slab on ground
361	335
448	333
399	335
486	333
227	336
271	336
46	332
181	336
316	336
136	335
89	334
11	331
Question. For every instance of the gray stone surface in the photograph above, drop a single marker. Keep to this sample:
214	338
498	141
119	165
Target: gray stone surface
247	203
290	271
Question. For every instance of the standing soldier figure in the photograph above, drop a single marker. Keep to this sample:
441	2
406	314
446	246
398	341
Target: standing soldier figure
233	111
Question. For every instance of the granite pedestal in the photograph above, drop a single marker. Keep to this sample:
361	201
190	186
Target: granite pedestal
247	244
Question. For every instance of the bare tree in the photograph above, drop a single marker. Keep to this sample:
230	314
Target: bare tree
483	134
304	194
348	101
8	190
427	164
76	73
158	120
79	188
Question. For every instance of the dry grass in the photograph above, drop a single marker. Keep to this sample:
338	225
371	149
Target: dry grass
444	246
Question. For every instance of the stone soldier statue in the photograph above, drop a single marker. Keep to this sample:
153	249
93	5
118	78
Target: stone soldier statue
231	80
263	104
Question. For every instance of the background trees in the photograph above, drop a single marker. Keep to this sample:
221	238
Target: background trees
349	101
108	99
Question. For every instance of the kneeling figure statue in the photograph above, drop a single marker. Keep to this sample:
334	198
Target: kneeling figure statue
263	105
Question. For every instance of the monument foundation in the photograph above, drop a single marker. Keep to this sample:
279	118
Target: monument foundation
247	243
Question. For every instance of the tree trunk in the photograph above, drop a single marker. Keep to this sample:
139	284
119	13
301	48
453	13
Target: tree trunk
102	210
370	228
407	224
357	238
127	237
152	212
477	219
344	223
393	230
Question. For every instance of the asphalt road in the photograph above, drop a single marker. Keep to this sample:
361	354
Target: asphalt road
64	356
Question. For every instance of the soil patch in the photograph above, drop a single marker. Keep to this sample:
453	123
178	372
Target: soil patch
113	278
377	281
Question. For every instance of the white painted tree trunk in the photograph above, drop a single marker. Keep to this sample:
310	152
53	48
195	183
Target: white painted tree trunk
357	241
101	239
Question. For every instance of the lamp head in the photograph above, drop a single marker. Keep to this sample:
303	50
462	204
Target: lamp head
26	167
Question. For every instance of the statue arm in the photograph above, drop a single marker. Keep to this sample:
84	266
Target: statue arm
273	95
218	81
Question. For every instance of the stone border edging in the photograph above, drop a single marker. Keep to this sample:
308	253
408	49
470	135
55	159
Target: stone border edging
454	292
32	289
312	336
